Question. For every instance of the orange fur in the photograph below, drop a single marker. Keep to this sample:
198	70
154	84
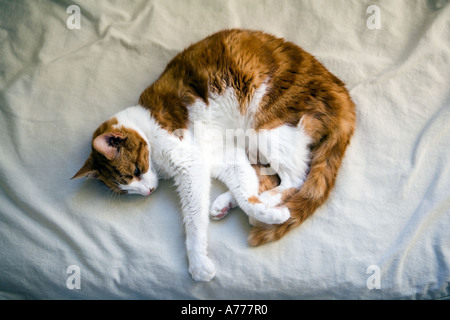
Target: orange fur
254	199
266	182
327	154
131	151
300	86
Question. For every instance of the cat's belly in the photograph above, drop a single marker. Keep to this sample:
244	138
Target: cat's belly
224	135
219	128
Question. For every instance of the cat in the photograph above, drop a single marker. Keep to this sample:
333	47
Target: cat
188	126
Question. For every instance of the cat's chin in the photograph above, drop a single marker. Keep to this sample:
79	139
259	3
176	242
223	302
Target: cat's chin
144	187
144	193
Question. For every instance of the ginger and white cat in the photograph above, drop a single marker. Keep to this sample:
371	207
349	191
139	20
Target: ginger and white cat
247	108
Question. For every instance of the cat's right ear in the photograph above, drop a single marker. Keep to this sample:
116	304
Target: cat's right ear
87	170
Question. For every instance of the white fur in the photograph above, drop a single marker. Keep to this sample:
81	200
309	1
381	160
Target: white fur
145	186
215	146
137	119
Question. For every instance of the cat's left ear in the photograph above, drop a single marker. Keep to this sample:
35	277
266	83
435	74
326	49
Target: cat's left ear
87	170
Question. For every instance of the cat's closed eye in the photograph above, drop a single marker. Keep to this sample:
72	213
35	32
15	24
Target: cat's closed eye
137	172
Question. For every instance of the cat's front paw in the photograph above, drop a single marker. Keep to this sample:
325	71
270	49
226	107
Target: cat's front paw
222	206
202	268
270	215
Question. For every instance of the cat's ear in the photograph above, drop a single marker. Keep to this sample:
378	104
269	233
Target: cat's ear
87	170
109	144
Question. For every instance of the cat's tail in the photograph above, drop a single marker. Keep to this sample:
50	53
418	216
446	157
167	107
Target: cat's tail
326	159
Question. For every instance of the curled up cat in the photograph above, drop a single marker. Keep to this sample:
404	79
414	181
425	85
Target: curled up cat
251	110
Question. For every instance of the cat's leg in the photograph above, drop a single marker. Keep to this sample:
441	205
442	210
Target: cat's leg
193	185
280	194
287	151
222	205
242	181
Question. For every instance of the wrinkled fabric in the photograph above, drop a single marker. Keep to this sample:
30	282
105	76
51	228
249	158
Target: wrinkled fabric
383	233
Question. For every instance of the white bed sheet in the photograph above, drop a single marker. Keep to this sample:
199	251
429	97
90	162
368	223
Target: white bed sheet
383	234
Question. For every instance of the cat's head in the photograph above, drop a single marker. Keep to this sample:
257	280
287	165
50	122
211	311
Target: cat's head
120	159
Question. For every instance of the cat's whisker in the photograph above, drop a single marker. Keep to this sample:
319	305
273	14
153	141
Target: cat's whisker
109	195
112	194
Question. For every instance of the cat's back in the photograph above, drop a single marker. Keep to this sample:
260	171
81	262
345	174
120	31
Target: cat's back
239	58
243	61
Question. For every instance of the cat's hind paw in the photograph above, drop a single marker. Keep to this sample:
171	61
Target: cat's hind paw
271	215
222	206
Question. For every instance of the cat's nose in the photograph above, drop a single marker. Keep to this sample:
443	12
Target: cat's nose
149	192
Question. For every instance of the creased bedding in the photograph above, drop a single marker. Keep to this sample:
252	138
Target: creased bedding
383	234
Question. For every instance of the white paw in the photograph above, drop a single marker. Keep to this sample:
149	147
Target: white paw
270	215
271	198
222	206
202	268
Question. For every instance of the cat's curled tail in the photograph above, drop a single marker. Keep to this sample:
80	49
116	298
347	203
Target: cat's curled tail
331	134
